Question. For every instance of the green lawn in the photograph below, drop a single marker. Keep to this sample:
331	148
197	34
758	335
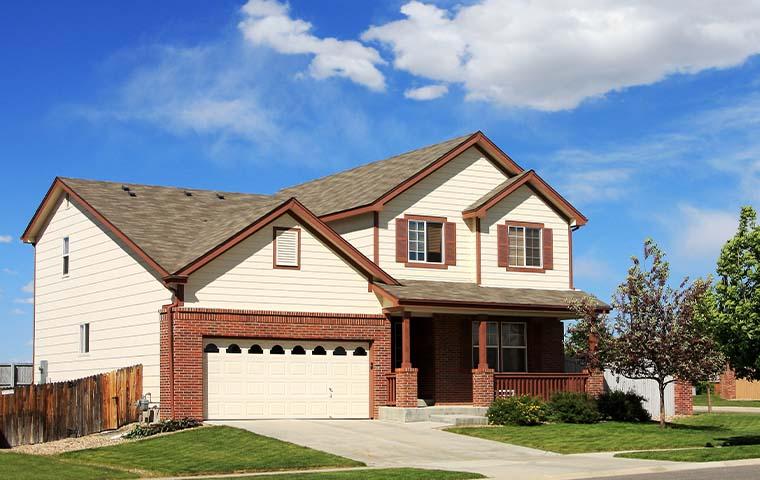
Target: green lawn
699	454
378	474
209	450
719	402
695	431
38	467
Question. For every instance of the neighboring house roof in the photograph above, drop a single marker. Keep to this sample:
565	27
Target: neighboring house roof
425	292
376	183
511	185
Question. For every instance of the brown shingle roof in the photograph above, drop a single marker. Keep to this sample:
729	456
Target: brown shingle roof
421	291
168	225
364	184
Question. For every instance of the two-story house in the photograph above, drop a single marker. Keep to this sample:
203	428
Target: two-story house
437	274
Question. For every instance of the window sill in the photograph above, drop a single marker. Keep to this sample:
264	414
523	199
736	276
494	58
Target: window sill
526	269
288	267
439	266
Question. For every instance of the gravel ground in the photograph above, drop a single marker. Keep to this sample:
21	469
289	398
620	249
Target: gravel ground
102	439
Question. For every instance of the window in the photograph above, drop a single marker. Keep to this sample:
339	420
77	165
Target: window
507	346
84	338
277	350
255	349
65	255
524	246
339	351
298	350
233	348
211	348
287	247
360	352
425	241
319	350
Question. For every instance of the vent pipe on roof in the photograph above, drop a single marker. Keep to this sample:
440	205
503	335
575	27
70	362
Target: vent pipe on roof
220	196
125	188
188	193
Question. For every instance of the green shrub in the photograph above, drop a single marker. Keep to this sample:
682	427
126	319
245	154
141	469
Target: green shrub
523	410
622	407
140	431
567	407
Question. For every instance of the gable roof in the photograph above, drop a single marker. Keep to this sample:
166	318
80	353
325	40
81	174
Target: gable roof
175	230
509	186
371	185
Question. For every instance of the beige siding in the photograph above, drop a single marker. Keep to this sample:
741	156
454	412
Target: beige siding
444	193
358	231
524	205
244	278
107	287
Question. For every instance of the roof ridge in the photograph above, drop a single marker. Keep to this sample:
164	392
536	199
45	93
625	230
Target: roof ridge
170	187
374	162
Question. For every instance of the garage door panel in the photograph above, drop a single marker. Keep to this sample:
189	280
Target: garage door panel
265	385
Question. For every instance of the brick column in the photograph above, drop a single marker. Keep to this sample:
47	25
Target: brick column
595	383
684	401
406	387
482	387
728	384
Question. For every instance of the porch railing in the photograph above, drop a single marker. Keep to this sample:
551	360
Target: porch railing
391	397
542	385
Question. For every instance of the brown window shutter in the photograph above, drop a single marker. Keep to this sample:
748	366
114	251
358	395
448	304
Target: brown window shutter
450	237
402	242
502	245
548	248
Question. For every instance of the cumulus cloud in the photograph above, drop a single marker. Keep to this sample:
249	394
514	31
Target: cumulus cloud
26	301
5	239
700	233
553	54
428	92
268	23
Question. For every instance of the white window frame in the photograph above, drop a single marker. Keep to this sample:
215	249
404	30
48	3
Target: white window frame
66	257
84	338
424	232
525	246
499	346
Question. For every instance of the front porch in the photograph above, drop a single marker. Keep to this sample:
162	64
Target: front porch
437	360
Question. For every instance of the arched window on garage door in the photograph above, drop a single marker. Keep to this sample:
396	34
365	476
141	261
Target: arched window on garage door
233	348
298	350
339	351
319	350
256	349
211	348
277	350
360	352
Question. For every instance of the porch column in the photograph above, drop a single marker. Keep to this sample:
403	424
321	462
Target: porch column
482	376
406	376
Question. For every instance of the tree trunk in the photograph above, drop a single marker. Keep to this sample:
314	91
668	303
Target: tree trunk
662	404
709	398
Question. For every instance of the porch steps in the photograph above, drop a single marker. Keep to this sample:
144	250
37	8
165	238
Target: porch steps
448	414
460	420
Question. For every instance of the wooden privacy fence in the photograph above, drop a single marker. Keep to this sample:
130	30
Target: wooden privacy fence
51	411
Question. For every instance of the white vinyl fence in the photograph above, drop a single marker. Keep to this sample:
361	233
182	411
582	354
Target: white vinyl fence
647	389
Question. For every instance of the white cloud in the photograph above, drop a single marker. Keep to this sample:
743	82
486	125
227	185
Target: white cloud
6	239
428	92
28	288
700	233
27	301
268	23
9	271
553	54
591	267
17	311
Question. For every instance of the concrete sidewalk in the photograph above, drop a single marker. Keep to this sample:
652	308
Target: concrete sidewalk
703	409
425	445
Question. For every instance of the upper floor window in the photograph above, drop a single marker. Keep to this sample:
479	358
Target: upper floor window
65	255
425	241
287	247
524	246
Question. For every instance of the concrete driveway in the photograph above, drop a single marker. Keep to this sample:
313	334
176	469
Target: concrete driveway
425	445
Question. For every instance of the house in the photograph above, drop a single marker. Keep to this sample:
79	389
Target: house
439	275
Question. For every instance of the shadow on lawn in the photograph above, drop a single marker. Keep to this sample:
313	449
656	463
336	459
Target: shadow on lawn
740	440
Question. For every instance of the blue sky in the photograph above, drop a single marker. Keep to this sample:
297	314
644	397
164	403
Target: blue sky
643	115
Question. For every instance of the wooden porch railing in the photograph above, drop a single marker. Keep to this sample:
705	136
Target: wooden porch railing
541	385
391	397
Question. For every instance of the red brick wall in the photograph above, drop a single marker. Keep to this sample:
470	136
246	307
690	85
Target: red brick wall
452	354
595	383
482	387
684	400
406	387
192	325
727	386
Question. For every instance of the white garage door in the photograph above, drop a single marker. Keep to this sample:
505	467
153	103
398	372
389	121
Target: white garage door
285	379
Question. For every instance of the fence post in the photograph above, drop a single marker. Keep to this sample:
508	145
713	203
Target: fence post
13	375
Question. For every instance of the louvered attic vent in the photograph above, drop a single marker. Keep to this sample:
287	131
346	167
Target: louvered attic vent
287	248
